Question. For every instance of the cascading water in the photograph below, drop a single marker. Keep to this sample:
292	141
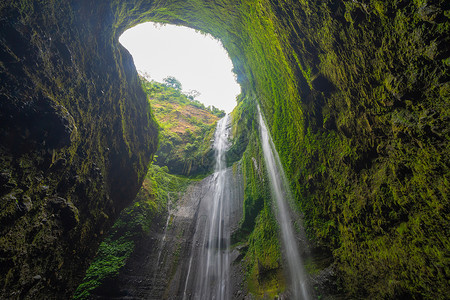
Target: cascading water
212	236
163	240
280	191
216	270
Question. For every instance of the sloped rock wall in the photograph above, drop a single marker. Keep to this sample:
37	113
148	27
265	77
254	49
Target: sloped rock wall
76	137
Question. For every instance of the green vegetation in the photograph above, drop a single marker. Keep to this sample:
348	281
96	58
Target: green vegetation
256	191
263	258
355	94
111	256
258	229
172	82
356	98
186	128
133	224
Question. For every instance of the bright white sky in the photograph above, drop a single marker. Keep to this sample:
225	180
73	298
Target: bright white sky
199	62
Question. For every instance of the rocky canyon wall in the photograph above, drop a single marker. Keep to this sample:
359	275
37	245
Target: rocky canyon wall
355	94
76	136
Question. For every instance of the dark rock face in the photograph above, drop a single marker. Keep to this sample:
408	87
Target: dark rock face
75	140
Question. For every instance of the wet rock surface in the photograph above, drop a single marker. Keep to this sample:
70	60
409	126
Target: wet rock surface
159	266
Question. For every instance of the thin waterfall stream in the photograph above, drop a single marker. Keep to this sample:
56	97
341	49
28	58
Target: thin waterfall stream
163	240
281	192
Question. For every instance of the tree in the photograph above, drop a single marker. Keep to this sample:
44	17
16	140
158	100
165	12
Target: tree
216	111
145	74
192	94
172	82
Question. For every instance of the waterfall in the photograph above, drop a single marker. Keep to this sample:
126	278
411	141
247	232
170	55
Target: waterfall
215	283
280	193
211	243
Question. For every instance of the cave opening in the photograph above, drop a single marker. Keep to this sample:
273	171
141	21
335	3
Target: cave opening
197	60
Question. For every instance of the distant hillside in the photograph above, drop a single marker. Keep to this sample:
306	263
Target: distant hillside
186	129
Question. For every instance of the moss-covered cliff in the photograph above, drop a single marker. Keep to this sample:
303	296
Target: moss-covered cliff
356	96
76	136
258	233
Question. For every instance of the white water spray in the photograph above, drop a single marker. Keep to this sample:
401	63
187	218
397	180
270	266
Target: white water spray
215	283
210	254
280	191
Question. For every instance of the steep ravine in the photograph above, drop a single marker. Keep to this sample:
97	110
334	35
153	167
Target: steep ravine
189	257
195	243
141	251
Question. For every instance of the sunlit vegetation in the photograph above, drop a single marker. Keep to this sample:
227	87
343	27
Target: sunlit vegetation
186	128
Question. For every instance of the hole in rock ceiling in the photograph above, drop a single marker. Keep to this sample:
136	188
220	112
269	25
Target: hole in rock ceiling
197	60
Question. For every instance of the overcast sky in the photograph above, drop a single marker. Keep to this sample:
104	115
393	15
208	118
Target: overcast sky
199	62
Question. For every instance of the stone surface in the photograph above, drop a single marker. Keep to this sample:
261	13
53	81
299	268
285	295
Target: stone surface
75	139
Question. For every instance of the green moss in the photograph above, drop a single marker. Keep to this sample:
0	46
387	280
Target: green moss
133	224
111	257
258	227
343	103
355	94
263	258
